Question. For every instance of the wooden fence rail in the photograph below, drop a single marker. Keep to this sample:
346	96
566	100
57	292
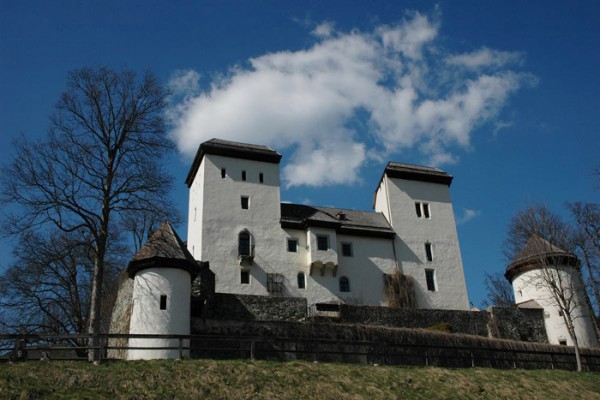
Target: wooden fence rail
21	347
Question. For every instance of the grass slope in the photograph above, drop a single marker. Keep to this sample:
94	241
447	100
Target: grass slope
210	379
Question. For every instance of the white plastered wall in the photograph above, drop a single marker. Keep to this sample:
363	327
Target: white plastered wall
530	285
148	318
396	199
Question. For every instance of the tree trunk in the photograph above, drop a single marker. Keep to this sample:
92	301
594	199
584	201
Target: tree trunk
96	300
571	330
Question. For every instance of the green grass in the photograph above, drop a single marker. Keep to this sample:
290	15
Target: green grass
210	379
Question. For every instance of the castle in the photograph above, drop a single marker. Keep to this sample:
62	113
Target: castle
257	245
290	256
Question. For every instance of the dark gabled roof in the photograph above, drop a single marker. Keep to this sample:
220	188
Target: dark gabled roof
344	221
163	249
538	251
231	149
417	173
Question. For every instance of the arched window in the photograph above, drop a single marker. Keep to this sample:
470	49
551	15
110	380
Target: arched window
344	284
244	247
301	280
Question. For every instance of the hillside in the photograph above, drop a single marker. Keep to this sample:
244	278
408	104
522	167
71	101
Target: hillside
210	379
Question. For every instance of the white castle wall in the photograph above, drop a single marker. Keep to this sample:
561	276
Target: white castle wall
396	199
530	285
147	318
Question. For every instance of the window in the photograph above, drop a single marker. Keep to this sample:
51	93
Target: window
428	252
274	283
422	210
244	248
347	249
261	177
301	280
292	245
245	202
245	277
344	284
163	302
243	175
430	278
322	242
223	173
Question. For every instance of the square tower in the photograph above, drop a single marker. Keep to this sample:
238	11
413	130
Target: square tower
416	202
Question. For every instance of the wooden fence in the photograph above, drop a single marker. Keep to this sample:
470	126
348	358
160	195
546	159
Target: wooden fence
15	347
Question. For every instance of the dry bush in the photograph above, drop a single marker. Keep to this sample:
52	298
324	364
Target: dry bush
400	290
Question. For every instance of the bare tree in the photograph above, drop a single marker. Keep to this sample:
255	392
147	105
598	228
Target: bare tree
587	219
537	237
499	291
99	163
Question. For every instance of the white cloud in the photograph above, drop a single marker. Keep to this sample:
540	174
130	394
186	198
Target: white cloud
306	100
467	216
324	29
485	57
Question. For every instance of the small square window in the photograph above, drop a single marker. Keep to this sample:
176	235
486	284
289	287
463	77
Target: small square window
245	202
428	252
430	278
347	249
243	175
418	209
223	173
244	277
292	245
163	302
261	178
322	242
426	210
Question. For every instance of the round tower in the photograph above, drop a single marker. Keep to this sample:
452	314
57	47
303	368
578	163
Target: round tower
548	276
163	271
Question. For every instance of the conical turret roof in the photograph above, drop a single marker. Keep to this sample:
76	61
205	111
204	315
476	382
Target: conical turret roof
537	246
538	252
164	249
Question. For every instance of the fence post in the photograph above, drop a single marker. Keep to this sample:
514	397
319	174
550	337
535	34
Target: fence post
180	348
100	348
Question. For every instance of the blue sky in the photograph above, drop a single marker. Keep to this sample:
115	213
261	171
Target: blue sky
502	95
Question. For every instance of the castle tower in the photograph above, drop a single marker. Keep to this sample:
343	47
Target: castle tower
537	267
163	271
416	202
234	196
